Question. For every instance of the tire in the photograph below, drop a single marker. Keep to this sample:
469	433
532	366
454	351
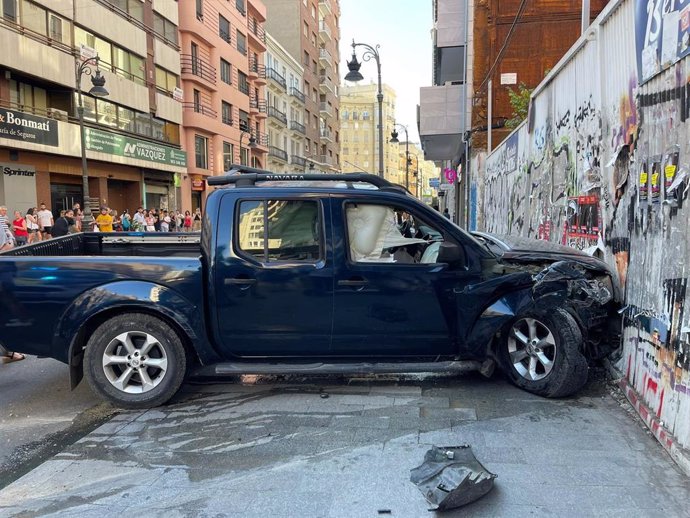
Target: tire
146	361
541	352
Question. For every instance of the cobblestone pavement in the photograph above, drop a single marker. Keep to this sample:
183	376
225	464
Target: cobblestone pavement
337	447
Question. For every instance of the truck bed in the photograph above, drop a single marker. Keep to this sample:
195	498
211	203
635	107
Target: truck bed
130	244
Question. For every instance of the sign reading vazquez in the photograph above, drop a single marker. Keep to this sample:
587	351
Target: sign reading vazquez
28	128
114	144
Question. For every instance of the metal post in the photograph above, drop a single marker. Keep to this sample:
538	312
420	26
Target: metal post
379	97
489	119
407	161
585	15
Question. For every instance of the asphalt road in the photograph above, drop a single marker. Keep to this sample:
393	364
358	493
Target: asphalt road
40	415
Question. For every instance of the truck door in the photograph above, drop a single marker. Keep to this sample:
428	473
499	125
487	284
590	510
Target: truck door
392	298
274	277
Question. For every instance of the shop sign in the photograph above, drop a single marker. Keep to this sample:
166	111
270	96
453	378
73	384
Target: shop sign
120	145
17	170
434	183
197	183
28	128
178	94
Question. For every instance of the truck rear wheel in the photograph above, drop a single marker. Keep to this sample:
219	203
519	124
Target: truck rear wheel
135	361
541	353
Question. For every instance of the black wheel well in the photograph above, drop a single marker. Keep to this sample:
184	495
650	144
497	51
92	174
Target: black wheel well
76	352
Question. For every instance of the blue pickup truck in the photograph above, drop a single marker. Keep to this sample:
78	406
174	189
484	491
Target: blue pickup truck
311	274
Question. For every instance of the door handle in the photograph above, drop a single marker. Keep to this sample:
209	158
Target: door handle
242	282
355	282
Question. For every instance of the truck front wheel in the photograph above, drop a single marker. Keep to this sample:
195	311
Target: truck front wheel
135	361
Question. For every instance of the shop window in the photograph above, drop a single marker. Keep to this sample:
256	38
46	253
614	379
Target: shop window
89	108
142	124
106	113
157	128
125	119
201	151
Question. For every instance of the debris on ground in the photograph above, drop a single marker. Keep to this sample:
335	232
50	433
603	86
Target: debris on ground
451	477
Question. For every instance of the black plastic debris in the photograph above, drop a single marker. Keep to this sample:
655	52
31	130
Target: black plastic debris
451	477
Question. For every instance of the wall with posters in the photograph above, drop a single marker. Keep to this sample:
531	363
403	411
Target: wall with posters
602	165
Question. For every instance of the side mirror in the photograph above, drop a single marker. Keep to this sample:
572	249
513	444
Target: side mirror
451	253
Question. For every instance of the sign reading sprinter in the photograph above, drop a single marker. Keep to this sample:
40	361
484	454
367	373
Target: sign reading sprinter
28	128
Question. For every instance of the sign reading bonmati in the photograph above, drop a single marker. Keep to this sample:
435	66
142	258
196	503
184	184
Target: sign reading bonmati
120	145
28	128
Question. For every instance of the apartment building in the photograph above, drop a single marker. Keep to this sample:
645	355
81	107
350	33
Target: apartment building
359	146
132	135
308	30
223	74
285	97
419	172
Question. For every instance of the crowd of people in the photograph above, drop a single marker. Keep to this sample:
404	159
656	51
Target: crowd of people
39	224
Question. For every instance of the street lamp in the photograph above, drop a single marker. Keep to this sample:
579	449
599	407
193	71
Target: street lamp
354	75
251	141
98	90
394	140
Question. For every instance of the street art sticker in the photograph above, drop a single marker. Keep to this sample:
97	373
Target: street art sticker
583	222
643	192
654	188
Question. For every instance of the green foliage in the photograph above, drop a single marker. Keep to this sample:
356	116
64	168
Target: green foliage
519	101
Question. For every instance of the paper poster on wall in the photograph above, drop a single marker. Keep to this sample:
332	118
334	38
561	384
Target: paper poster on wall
643	193
670	169
655	181
669	43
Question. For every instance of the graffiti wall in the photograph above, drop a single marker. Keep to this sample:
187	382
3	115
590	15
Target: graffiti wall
602	165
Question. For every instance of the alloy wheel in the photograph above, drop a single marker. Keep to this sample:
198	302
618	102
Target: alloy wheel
135	362
531	348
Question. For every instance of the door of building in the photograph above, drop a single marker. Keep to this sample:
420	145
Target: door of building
64	196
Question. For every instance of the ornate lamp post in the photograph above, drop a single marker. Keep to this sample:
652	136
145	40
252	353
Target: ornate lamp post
355	75
251	141
98	90
394	140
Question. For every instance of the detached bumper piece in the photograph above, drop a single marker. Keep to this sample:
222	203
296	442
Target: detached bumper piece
451	477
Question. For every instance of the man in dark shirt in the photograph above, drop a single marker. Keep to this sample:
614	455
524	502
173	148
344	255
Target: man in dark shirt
62	224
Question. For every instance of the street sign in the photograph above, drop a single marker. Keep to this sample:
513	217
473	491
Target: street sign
445	187
434	183
177	94
86	52
509	79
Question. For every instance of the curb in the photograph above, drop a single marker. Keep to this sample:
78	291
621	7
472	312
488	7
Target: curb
680	455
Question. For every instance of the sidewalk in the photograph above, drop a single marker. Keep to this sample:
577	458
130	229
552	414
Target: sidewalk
284	449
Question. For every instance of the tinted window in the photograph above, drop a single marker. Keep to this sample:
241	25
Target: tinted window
280	230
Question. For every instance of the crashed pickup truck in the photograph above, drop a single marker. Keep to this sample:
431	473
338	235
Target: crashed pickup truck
308	274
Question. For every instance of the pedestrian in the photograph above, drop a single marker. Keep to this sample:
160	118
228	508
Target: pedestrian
150	221
78	217
187	221
32	225
157	220
196	220
446	213
125	221
45	221
179	221
139	220
6	236
165	222
116	221
21	233
63	223
104	220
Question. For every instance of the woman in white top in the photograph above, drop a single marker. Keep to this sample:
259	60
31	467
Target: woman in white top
32	226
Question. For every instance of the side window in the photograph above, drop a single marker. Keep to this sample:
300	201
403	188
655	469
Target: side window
272	231
389	234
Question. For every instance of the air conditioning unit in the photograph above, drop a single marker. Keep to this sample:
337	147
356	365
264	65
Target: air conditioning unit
56	114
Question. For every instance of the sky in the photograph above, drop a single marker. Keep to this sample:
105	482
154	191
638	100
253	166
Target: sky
403	29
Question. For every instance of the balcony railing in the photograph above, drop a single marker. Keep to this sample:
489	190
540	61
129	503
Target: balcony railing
296	92
326	108
324	55
202	108
324	28
298	160
298	126
273	74
278	153
326	134
198	67
325	6
261	139
257	68
326	83
257	30
258	104
277	114
325	159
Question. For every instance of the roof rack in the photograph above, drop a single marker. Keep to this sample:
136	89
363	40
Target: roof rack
245	176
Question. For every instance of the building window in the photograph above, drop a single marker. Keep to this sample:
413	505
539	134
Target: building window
164	28
241	43
313	11
228	155
226	111
225	72
305	30
313	39
240	7
201	151
365	115
306	59
200	10
244	120
224	28
166	81
117	59
9	10
242	83
314	66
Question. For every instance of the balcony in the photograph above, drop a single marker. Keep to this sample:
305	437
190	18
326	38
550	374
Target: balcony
274	76
197	67
326	135
257	34
325	159
326	85
275	113
325	57
325	31
257	72
298	160
298	127
197	115
278	153
261	142
258	107
297	94
325	7
325	109
202	108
